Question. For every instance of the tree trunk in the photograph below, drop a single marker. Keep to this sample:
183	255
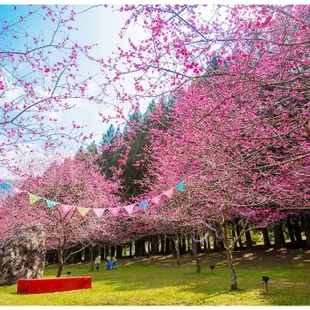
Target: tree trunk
189	244
137	247
168	246
297	232
156	243
152	241
290	231
279	240
60	262
198	244
234	284
162	244
86	255
215	247
249	243
182	245
209	245
96	251
306	226
233	233
102	252
218	244
239	236
78	256
267	244
130	249
177	249
205	245
112	250
149	248
172	246
153	244
92	263
140	247
119	251
106	251
195	253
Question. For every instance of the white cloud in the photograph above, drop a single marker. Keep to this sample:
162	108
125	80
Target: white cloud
33	160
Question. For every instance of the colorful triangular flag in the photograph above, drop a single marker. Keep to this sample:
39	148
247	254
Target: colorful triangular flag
129	208
66	209
156	200
17	190
180	186
169	193
83	211
99	212
114	211
5	188
33	198
51	203
143	204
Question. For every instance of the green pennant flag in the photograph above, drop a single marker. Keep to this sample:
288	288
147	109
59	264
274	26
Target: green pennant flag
83	211
33	198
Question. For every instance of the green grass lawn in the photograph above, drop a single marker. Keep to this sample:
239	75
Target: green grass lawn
158	281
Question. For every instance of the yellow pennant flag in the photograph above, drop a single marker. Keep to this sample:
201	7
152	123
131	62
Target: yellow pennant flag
33	198
83	211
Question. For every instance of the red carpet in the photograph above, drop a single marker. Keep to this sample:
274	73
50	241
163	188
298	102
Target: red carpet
51	285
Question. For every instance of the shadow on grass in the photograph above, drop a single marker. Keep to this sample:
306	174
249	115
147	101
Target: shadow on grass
289	284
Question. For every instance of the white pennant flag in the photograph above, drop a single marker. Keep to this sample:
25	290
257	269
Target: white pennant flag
169	193
129	208
99	212
115	211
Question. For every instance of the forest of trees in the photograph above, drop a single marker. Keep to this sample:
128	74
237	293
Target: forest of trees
229	116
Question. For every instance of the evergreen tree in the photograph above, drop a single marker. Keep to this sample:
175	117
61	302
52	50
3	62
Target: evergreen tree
140	124
109	136
92	148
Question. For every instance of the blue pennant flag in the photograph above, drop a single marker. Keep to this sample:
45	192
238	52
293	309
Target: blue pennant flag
180	186
51	203
5	188
143	204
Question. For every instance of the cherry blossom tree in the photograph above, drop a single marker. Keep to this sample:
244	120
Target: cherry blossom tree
241	116
227	178
40	75
72	183
260	52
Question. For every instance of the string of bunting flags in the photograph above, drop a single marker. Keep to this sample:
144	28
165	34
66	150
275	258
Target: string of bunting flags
7	189
200	240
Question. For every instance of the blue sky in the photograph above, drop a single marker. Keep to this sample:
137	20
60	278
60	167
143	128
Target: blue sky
98	25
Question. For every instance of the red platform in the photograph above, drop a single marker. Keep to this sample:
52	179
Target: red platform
51	285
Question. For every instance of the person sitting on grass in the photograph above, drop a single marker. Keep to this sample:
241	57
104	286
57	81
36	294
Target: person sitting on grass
113	262
108	266
97	262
